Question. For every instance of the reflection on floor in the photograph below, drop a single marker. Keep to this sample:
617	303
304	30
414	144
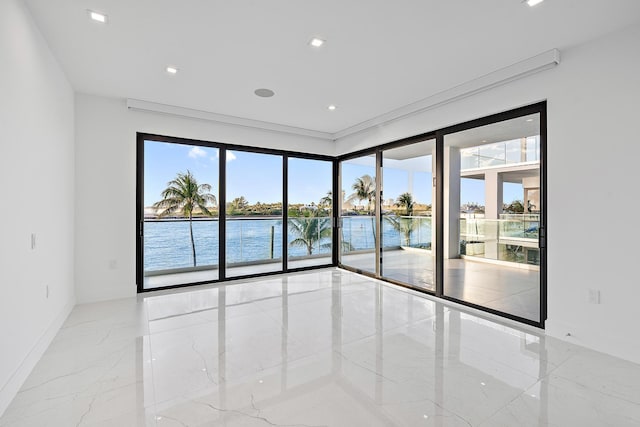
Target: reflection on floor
326	348
511	290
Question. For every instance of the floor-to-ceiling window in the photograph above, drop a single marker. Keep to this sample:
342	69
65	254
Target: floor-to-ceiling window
254	213
180	219
457	212
358	224
491	215
211	211
460	213
309	212
407	215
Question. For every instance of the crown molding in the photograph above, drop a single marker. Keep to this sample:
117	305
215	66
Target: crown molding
496	78
139	105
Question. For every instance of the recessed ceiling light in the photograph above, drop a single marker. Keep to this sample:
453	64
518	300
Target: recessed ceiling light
97	16
331	107
264	93
316	42
172	70
532	3
529	120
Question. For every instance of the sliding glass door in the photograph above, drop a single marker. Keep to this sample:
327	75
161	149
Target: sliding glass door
358	224
309	212
492	216
408	247
458	213
179	227
193	195
254	213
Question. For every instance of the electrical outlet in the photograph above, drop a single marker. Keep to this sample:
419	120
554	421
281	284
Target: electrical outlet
594	296
113	264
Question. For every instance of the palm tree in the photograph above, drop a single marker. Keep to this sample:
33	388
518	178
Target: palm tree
405	226
309	231
365	189
183	194
327	201
405	200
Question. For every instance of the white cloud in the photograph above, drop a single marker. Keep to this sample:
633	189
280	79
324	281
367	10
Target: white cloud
230	156
196	152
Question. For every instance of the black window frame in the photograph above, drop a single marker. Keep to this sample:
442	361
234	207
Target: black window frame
437	135
141	137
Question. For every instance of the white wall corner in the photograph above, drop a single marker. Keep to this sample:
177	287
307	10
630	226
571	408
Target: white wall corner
11	388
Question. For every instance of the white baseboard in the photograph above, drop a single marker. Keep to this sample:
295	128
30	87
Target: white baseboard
13	385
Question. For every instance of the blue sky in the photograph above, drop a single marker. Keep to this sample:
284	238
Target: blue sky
258	177
164	160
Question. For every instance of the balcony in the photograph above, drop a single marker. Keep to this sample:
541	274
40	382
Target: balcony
253	245
513	238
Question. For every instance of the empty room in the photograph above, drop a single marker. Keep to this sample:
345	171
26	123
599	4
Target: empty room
281	213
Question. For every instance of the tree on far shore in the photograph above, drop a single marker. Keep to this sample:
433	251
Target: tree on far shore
239	204
405	200
183	195
514	207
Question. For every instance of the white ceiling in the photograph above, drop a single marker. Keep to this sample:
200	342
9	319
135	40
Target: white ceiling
505	130
380	55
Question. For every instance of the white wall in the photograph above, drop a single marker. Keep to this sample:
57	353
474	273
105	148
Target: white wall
106	183
593	157
36	172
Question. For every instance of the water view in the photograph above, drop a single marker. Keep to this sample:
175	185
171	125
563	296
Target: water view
167	244
490	224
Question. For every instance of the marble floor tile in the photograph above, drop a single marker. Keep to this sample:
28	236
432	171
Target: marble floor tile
322	348
555	401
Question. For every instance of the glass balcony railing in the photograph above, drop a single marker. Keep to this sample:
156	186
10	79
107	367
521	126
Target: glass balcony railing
513	238
525	150
253	240
397	231
309	236
167	243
